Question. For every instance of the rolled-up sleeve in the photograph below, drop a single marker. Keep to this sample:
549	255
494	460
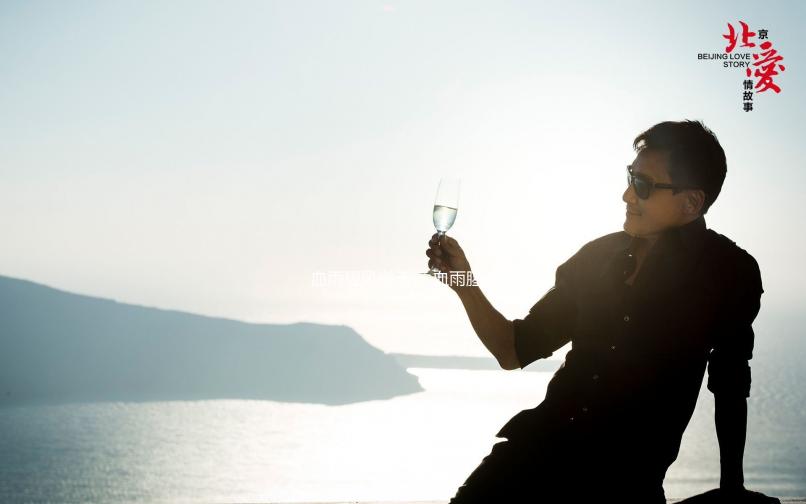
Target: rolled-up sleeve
728	366
550	322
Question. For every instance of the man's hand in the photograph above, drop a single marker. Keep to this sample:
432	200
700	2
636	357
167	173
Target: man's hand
737	496
447	256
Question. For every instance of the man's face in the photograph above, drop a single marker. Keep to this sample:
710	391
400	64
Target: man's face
662	210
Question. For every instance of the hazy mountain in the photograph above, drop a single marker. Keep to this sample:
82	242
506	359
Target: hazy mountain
57	346
471	363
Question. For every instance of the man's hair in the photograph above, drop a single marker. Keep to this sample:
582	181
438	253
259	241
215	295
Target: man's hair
694	155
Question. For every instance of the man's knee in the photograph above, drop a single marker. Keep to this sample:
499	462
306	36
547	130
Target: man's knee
507	474
491	479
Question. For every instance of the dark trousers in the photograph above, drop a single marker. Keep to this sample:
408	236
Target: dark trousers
552	471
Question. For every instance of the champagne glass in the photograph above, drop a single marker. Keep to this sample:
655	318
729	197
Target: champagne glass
446	205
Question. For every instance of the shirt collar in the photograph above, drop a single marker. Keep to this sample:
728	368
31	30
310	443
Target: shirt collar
673	254
689	236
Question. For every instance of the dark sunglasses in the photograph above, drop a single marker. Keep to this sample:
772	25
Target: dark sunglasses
643	187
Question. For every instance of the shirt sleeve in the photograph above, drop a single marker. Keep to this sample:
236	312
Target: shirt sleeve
550	322
728	367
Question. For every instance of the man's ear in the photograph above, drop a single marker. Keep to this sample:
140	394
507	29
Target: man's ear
695	199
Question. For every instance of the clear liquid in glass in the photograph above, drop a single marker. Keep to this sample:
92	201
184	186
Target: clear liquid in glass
444	217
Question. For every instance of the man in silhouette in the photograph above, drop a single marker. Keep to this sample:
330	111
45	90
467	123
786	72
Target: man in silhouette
647	310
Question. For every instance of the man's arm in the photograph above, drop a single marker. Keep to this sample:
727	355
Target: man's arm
519	342
547	327
492	328
514	343
494	331
730	417
729	372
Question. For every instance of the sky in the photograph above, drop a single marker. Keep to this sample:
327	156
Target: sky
215	157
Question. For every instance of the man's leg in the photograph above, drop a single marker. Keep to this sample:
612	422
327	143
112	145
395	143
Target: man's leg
510	473
492	480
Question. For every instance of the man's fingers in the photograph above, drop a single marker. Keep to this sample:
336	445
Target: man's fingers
446	244
452	248
434	254
450	244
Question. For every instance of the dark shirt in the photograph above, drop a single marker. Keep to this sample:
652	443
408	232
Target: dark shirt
629	384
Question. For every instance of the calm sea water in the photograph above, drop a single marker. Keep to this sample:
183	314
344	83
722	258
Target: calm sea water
417	447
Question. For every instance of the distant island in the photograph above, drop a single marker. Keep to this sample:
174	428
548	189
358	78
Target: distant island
57	346
470	363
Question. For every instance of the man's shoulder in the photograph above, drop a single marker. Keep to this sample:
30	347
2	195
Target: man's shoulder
730	259
726	248
608	243
599	249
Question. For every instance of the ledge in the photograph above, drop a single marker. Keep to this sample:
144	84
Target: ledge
788	500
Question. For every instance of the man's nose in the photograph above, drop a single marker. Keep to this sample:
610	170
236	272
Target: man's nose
629	196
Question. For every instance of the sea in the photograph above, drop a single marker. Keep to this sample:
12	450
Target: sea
420	446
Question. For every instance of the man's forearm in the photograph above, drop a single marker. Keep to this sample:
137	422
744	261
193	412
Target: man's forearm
492	328
730	417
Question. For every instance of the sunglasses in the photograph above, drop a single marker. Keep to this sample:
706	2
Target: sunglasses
643	187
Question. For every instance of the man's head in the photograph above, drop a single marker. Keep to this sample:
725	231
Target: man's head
685	154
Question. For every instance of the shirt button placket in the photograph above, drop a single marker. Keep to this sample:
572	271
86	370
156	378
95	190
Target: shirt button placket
626	319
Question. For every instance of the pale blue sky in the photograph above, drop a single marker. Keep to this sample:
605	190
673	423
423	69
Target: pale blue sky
211	156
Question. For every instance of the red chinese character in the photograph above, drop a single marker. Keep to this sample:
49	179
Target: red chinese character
746	33
767	71
732	38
